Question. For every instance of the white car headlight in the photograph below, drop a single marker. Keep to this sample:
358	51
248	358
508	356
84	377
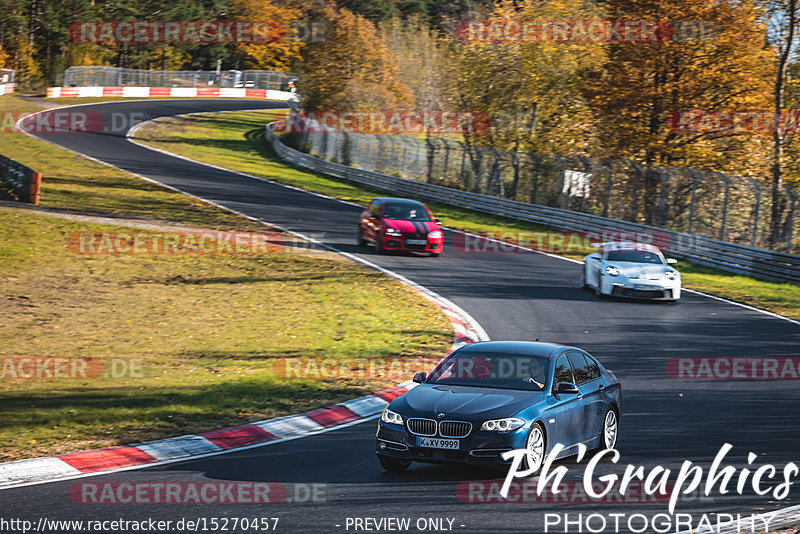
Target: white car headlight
612	271
502	425
391	417
672	275
393	231
436	234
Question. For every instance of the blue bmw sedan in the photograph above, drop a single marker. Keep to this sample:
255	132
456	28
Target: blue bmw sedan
491	397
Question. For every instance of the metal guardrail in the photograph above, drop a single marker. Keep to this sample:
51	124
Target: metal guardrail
712	204
739	259
102	76
21	181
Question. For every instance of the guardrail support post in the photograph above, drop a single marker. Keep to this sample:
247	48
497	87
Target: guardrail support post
789	225
724	205
757	206
634	196
662	196
691	200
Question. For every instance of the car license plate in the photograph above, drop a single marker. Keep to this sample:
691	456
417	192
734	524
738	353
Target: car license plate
646	287
436	443
416	242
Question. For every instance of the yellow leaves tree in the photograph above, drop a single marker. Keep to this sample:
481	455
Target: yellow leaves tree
23	62
719	66
423	58
528	86
351	69
279	53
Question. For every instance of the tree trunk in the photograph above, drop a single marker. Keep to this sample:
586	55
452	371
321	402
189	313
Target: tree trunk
776	230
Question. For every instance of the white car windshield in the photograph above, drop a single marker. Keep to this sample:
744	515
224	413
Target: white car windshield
634	256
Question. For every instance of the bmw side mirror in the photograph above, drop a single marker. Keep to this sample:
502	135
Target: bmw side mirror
566	388
672	261
419	378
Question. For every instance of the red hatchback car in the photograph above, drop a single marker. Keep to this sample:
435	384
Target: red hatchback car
400	224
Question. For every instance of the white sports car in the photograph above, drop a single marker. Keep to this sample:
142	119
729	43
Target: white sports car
631	270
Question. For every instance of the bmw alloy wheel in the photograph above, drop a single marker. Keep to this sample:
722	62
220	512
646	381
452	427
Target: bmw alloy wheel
610	429
535	448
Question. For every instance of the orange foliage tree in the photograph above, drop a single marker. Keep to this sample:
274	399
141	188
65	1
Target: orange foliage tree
351	69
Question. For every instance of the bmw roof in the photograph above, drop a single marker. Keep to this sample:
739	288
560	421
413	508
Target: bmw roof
530	348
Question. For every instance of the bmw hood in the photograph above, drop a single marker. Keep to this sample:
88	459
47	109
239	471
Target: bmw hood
428	400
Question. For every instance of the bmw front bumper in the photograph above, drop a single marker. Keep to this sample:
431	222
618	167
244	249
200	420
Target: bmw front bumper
479	447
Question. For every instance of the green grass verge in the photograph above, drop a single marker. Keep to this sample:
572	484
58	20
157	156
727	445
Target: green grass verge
205	328
235	141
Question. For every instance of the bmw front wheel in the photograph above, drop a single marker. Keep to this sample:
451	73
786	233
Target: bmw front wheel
610	430
535	446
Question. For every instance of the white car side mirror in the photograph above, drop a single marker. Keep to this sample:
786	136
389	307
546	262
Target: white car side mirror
672	261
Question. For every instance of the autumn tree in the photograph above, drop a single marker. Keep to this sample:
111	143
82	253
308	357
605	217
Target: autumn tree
527	83
638	85
285	43
423	60
782	18
352	69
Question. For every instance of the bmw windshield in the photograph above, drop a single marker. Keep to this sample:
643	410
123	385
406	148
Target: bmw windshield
492	370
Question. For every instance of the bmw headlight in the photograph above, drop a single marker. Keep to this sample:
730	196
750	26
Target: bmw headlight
612	271
672	275
393	231
391	417
436	234
502	425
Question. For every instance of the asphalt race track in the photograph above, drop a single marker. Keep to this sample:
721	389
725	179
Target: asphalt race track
513	296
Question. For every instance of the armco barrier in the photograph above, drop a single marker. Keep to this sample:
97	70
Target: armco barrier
23	181
729	257
176	92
